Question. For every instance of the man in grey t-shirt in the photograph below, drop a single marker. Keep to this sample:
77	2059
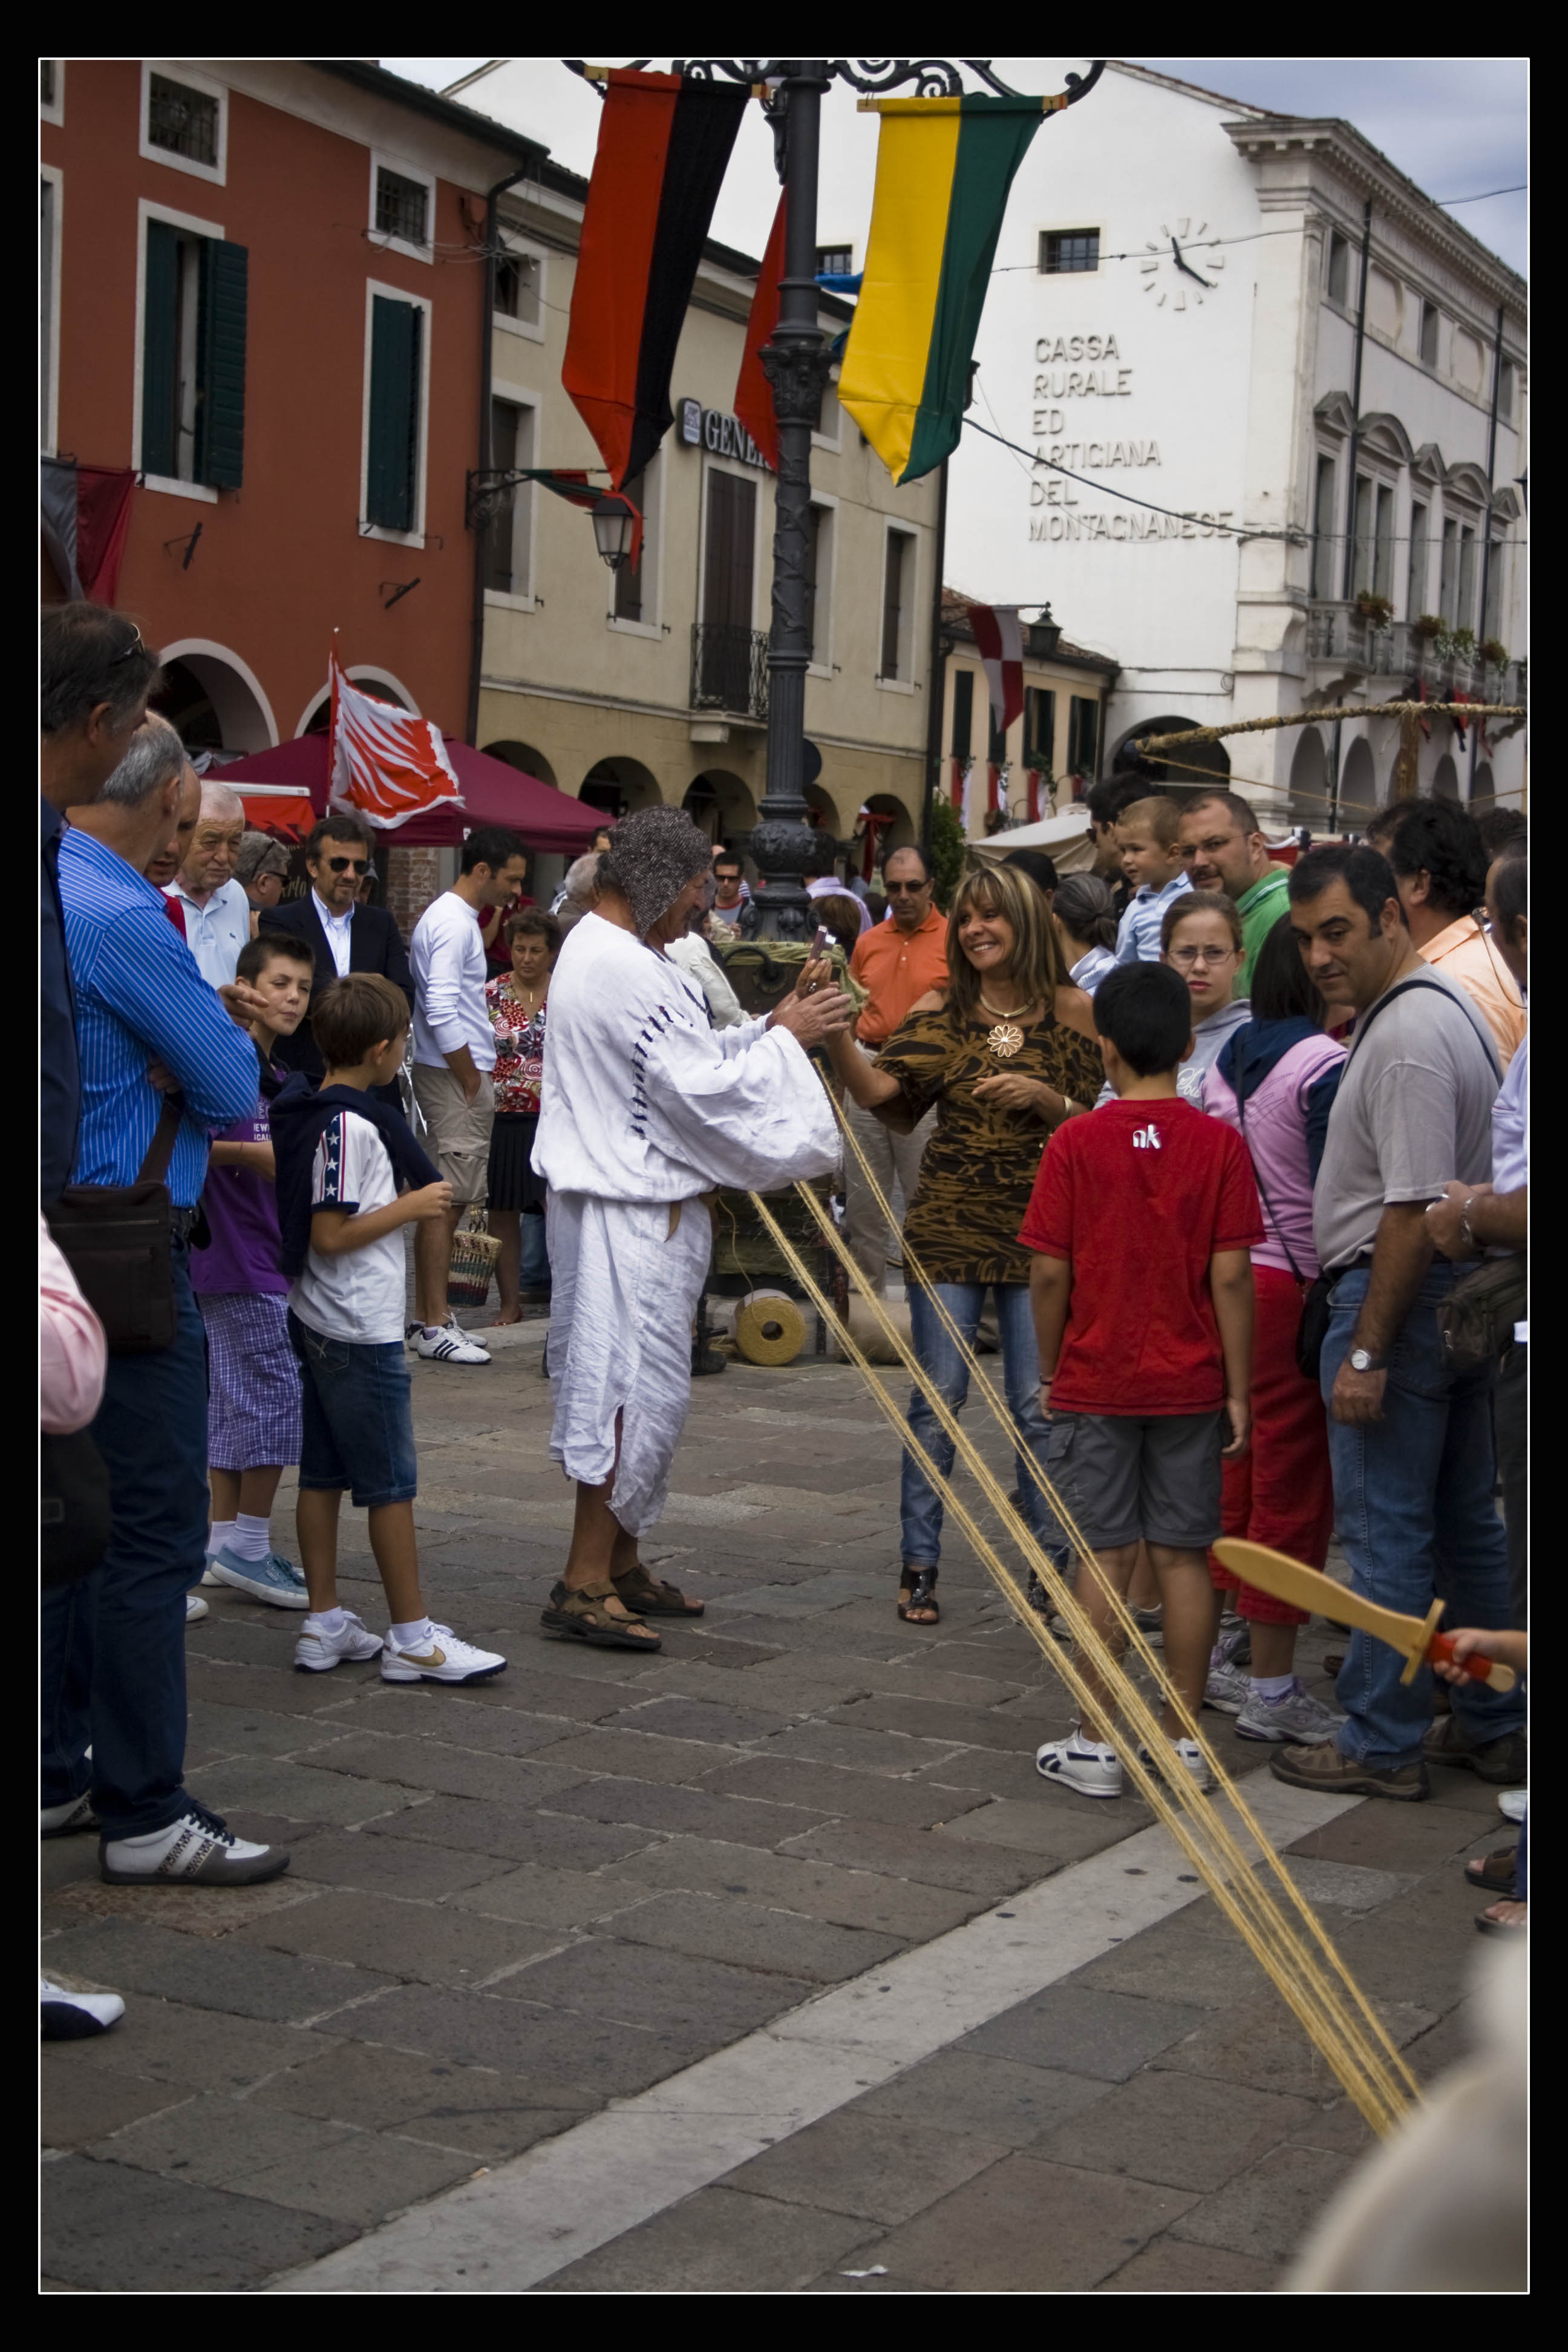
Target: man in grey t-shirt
1409	1438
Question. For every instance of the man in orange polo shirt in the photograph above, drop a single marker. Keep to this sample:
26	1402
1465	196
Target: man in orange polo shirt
1439	865
896	962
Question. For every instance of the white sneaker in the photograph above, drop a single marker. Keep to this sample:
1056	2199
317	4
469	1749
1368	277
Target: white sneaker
196	1849
65	1821
196	1608
1228	1689
1511	1803
318	1649
449	1345
447	1660
1081	1764
1298	1716
1188	1755
207	1576
65	2016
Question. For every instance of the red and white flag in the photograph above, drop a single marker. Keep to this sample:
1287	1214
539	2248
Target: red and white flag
999	635
385	764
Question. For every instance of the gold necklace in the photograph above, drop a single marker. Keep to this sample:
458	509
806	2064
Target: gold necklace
1008	1037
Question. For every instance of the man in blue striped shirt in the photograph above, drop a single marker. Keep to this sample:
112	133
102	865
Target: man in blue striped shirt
113	1644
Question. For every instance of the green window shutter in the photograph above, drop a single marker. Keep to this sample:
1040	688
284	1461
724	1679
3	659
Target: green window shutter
393	464
220	371
158	358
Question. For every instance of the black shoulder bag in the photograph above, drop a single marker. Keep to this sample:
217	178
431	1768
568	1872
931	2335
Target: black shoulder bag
118	1241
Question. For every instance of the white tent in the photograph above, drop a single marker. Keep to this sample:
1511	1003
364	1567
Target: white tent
1068	839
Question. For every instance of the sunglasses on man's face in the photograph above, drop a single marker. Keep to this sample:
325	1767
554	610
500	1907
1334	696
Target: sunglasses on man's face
349	865
134	648
897	890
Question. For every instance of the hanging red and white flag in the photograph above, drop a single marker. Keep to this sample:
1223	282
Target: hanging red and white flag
385	764
999	636
1033	802
973	805
994	795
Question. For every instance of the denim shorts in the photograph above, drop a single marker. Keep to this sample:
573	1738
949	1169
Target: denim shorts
1123	1477
358	1426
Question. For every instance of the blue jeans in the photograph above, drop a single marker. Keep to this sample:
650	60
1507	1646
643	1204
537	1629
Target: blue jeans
357	1427
533	1271
113	1645
1413	1498
920	1510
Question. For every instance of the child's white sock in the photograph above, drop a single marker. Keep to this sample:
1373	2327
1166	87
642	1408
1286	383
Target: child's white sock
251	1538
419	1636
1273	1686
331	1621
220	1537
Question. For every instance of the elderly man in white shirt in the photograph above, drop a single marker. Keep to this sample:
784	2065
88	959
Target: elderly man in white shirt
645	1109
454	1054
215	906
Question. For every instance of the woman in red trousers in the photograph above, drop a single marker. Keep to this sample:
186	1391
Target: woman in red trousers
1275	1083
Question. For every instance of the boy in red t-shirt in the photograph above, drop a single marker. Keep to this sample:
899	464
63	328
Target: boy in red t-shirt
1143	1217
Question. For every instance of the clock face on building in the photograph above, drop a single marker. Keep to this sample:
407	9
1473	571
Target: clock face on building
1178	269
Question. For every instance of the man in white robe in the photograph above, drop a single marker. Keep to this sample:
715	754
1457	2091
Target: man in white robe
645	1108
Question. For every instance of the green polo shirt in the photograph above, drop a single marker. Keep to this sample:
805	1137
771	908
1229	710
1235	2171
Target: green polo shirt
1260	909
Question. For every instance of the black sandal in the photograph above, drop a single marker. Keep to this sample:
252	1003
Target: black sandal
920	1594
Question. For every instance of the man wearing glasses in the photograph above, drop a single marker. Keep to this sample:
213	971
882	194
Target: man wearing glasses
343	935
897	962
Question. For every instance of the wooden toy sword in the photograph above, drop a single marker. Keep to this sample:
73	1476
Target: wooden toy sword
1416	1639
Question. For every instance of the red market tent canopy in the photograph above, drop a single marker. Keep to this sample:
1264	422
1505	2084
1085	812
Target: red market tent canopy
493	793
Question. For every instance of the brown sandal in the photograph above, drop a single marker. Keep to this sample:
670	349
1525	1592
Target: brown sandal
917	1593
636	1589
583	1616
1498	1872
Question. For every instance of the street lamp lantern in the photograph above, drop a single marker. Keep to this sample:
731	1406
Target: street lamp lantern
1045	634
614	528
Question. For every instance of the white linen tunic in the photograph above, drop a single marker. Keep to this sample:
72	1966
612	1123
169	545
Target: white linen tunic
643	1108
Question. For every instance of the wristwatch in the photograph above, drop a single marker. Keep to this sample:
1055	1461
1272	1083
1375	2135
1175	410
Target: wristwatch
1362	1360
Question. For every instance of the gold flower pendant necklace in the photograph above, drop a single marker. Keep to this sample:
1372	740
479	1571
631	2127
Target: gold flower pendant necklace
1006	1038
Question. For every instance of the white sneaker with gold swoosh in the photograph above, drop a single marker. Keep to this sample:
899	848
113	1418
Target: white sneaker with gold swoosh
447	1660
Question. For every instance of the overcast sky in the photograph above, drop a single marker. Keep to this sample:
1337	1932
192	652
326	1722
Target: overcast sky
1457	126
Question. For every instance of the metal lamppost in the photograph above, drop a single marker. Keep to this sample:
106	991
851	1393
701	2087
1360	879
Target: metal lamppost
798	363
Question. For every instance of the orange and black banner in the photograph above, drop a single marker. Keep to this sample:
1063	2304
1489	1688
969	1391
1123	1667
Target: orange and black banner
664	142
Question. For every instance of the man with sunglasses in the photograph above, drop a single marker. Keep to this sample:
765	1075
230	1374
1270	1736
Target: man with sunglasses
897	962
343	935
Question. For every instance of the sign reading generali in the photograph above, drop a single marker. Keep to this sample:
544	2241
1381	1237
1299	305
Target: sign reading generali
723	437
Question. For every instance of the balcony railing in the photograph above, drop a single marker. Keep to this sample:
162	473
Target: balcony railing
1338	637
728	669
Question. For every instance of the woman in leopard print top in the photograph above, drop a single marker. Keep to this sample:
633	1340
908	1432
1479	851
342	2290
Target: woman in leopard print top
1005	1052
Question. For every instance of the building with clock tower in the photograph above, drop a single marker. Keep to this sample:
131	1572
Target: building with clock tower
1172	338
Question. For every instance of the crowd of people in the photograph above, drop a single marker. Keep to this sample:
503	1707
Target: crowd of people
1202	1141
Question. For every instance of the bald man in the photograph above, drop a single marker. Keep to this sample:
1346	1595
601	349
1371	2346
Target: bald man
214	903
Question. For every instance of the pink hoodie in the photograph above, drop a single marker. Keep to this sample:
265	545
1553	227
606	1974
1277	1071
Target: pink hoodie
1275	1136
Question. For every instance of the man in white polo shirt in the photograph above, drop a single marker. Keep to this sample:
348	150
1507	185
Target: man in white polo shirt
215	909
454	1054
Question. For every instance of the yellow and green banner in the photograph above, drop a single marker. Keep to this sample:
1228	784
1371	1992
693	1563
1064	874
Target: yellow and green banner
944	166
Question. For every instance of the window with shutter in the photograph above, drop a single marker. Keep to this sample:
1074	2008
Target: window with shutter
1039	727
220	371
962	713
996	737
392	457
898	580
1083	736
160	338
635	582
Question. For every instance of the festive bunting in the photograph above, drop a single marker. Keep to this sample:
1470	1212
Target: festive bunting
999	636
944	166
754	393
386	765
664	142
86	514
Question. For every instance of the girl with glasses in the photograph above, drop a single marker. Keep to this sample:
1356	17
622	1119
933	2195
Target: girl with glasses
1201	940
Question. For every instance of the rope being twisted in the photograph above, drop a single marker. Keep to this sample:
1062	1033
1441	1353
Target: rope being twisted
1336	2015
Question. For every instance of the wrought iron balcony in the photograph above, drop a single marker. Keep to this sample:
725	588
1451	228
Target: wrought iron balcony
1342	638
728	669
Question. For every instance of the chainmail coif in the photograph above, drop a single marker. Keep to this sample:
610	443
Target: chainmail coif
653	854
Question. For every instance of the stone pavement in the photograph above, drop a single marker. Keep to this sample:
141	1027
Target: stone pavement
513	1905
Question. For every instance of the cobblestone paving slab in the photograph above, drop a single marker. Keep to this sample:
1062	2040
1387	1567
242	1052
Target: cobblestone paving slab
592	1880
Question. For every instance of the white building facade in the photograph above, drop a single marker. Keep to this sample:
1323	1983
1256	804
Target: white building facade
1305	540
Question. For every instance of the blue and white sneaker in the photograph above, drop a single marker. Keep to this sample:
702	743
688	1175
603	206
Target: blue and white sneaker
274	1578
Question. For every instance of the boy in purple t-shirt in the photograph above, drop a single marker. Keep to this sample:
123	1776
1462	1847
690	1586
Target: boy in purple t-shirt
253	1376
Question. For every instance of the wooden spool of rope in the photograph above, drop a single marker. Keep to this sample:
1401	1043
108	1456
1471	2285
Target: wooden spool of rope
768	1328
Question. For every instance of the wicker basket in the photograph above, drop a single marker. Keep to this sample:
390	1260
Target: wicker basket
473	1266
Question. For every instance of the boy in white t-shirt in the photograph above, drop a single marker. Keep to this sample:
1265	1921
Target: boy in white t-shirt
341	1159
